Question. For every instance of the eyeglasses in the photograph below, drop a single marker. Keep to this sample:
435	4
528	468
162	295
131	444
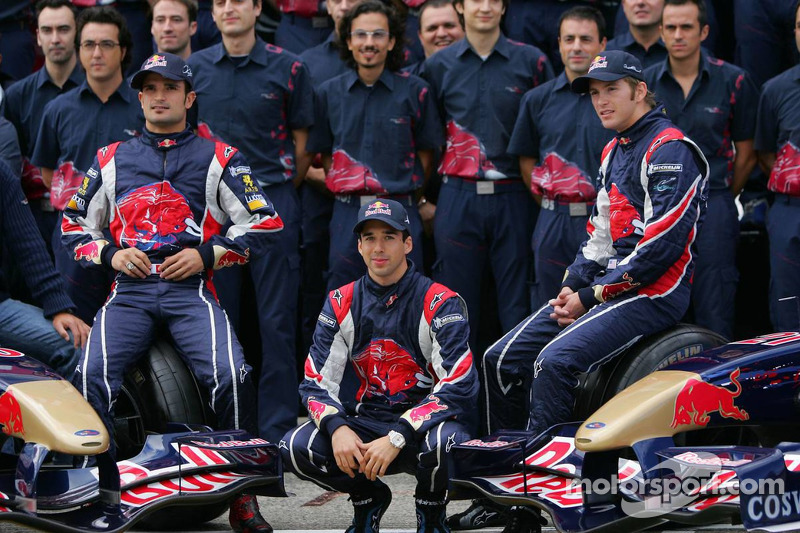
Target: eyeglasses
105	46
377	35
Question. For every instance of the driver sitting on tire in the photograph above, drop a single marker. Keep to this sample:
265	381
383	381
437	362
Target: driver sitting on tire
165	197
630	278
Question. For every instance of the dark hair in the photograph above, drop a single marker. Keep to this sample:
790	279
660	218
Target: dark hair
702	12
649	98
455	2
585	13
107	15
190	5
394	59
435	3
41	5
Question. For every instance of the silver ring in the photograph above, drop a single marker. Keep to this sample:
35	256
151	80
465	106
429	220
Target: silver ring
130	265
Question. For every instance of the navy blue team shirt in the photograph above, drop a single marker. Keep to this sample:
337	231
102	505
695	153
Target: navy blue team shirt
720	110
562	130
778	129
375	132
479	101
652	56
323	61
254	103
75	125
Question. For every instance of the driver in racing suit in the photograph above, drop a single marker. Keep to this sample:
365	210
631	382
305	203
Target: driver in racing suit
389	380
630	278
165	196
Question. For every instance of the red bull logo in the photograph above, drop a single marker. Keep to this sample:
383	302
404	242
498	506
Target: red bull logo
378	208
612	289
387	370
697	399
557	176
785	176
11	415
155	60
348	175
66	181
625	220
316	410
230	258
88	252
424	411
155	216
167	143
464	155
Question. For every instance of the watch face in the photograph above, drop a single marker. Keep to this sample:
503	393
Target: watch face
397	439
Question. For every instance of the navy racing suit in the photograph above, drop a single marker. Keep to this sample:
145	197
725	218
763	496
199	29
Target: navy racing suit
162	194
632	274
387	358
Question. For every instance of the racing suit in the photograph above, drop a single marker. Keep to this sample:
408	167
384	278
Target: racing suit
161	194
387	358
632	274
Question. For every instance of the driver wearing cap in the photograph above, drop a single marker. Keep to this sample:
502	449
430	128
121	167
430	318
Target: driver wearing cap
389	380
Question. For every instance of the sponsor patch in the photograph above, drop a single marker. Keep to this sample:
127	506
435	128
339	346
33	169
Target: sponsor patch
87	433
92	173
326	320
255	201
378	208
241	169
632	67
595	425
665	185
155	61
598	62
665	167
439	322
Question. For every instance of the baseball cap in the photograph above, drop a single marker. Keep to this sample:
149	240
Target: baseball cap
388	211
611	65
168	65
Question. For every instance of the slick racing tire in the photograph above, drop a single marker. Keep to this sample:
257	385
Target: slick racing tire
646	356
159	389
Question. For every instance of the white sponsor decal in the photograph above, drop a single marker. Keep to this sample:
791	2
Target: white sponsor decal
439	322
325	319
665	167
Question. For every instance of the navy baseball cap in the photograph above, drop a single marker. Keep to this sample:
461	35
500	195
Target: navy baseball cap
388	211
610	66
168	65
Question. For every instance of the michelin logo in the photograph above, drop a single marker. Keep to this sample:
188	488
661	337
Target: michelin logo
243	169
91	173
666	167
439	322
326	320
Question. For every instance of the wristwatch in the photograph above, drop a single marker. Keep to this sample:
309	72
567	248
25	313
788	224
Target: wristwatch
397	439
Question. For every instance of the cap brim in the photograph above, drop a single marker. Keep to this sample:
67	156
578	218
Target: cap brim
396	225
138	78
581	85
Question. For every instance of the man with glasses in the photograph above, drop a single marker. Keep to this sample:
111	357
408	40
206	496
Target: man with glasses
98	112
376	130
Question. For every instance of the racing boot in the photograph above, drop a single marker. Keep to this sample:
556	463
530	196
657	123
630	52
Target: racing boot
245	517
431	514
368	509
523	520
482	513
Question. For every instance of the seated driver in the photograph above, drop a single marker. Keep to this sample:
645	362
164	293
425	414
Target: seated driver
389	380
165	197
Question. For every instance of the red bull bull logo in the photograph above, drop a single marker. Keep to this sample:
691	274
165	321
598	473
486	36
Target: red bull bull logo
88	252
316	410
424	411
464	155
66	181
785	176
11	415
230	258
625	220
155	216
348	175
387	370
557	176
697	399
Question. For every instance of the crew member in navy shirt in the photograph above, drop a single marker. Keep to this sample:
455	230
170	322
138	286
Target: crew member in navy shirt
259	98
777	142
101	110
559	163
376	129
714	103
643	39
26	99
483	214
